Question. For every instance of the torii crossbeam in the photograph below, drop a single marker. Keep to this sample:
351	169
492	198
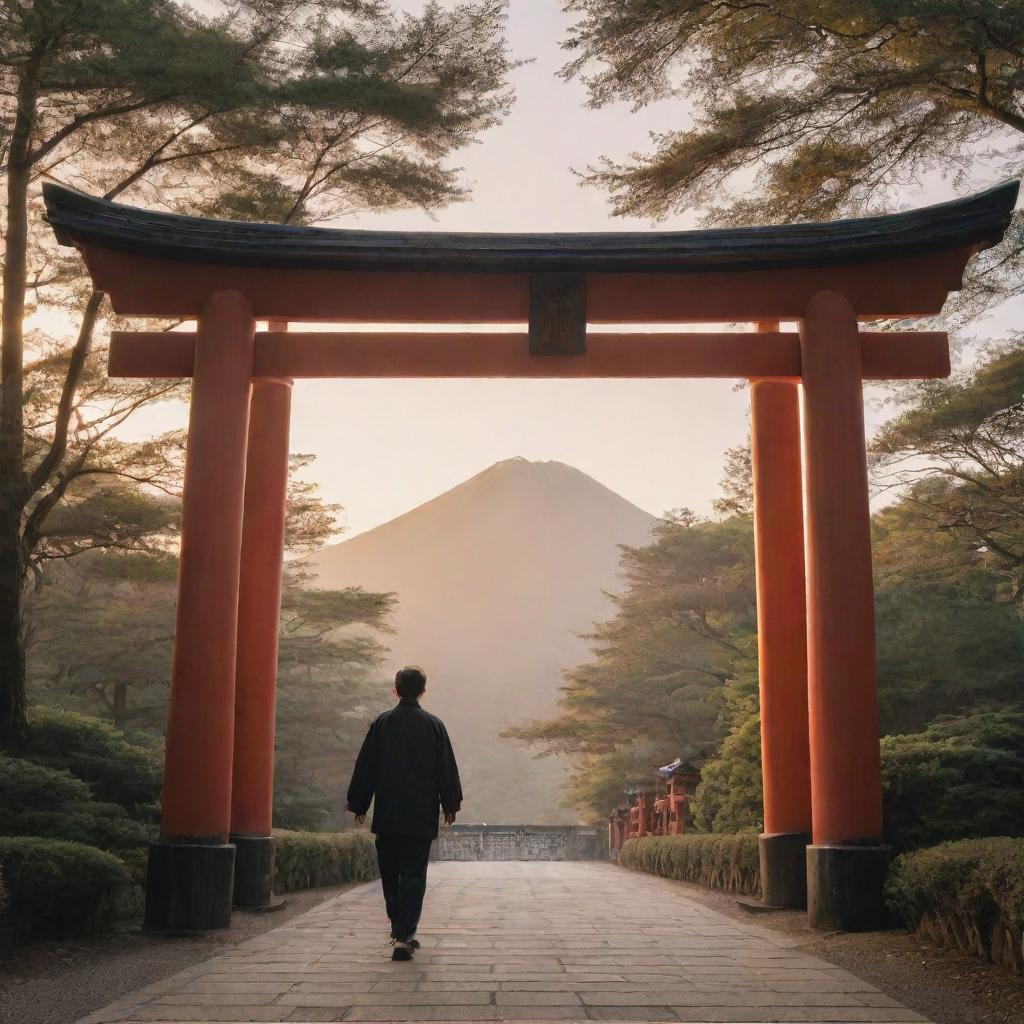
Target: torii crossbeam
819	720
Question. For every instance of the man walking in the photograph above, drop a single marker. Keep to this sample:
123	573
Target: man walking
408	767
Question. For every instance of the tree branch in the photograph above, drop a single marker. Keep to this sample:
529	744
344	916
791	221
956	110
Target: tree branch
79	354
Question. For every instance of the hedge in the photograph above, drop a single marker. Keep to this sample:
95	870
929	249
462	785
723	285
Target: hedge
728	862
37	800
57	889
115	769
309	860
29	787
929	778
967	895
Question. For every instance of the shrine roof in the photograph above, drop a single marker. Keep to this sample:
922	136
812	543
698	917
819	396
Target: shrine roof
978	220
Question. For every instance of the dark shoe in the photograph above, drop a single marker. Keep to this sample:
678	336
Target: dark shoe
413	943
401	951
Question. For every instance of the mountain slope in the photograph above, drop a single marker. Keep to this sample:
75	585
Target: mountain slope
494	578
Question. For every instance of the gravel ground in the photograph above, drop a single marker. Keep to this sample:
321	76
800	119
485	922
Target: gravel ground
59	982
945	986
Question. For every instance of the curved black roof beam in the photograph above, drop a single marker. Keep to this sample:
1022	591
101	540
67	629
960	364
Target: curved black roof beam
979	221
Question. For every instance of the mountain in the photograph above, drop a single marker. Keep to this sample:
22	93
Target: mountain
494	579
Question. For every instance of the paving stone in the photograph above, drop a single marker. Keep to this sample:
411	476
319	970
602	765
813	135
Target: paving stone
206	1013
537	999
392	999
201	985
569	986
694	997
532	1013
342	987
318	1013
509	941
631	1013
189	998
491	985
411	1013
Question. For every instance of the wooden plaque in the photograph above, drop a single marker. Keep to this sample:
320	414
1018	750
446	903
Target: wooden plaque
558	315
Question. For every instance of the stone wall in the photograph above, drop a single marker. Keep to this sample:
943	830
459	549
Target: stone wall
519	842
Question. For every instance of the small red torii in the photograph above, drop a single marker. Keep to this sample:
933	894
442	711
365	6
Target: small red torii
670	809
655	810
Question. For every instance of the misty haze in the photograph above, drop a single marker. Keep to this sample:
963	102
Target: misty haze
495	580
739	630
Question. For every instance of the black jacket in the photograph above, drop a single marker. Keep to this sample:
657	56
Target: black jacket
408	765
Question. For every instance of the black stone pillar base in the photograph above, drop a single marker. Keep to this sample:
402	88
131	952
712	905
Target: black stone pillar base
845	887
784	868
189	886
254	871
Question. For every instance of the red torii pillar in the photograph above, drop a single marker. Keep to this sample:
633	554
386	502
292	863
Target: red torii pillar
847	862
191	867
781	636
259	612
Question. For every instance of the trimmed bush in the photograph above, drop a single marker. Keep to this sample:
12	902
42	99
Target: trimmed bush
727	862
106	826
56	889
309	860
26	787
36	800
115	769
967	895
959	779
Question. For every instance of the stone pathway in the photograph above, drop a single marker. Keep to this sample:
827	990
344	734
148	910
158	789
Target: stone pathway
517	941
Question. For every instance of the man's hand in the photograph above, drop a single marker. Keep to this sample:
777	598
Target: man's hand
360	820
449	819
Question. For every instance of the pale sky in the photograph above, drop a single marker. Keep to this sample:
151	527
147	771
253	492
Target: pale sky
383	447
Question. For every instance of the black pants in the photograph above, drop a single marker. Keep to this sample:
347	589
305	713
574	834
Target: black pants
403	874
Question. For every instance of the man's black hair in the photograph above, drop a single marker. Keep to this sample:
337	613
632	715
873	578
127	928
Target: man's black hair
410	682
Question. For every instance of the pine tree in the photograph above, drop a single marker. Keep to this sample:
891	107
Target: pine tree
272	109
809	109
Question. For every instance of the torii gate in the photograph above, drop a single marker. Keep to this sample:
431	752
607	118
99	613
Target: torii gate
819	718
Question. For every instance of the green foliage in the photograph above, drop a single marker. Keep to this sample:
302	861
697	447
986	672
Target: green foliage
967	895
958	779
654	688
327	678
835	103
801	110
957	451
310	85
102	643
267	110
83	781
101	638
116	770
27	787
943	648
36	800
730	797
310	860
967	875
57	889
104	826
727	862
